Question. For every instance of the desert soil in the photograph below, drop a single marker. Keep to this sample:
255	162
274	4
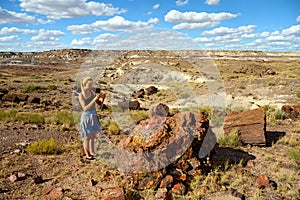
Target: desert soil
248	82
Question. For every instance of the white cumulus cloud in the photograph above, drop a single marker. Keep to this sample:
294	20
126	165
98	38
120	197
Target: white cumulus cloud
47	35
116	23
56	10
298	19
293	30
212	2
156	6
14	30
175	16
181	2
10	17
9	38
225	30
194	26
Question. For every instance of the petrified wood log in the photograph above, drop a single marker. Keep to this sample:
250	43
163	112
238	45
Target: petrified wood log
251	126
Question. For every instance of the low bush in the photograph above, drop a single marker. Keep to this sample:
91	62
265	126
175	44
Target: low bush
230	140
63	117
33	88
294	154
113	128
46	147
30	118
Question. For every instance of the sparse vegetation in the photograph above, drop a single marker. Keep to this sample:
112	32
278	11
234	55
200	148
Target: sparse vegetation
33	88
298	94
63	117
113	128
52	87
46	147
230	140
30	118
271	83
294	154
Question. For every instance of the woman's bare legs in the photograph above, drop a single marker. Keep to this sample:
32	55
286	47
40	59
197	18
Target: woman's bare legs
92	143
87	145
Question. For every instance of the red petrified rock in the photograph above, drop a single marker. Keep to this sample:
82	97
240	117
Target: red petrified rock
251	126
263	181
178	189
162	194
292	111
113	194
166	182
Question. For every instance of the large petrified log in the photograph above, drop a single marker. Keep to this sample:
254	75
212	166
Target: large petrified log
178	138
251	126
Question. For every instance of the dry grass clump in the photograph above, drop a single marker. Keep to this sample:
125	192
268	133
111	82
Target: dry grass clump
230	140
45	147
113	128
294	153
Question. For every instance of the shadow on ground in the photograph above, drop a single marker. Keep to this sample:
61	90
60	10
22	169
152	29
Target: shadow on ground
232	156
273	136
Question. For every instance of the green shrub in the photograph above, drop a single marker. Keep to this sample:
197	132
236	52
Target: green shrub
113	128
32	88
294	154
271	83
135	115
46	147
63	117
298	94
52	87
7	115
30	118
230	140
279	114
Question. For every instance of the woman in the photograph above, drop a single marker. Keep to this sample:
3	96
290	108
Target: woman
89	123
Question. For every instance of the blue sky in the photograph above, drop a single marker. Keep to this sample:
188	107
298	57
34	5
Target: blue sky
38	25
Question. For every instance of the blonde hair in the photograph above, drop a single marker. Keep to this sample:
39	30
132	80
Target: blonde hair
82	84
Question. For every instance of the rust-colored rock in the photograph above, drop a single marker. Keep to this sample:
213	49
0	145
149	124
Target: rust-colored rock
113	194
166	182
162	194
251	126
293	112
11	97
151	90
179	189
263	181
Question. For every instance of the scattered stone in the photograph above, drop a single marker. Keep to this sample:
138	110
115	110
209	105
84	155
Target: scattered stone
38	179
270	72
250	163
151	90
179	189
23	97
18	176
11	97
33	99
94	182
251	126
263	181
131	105
13	178
17	151
237	194
162	194
54	193
139	94
204	190
166	182
113	194
293	112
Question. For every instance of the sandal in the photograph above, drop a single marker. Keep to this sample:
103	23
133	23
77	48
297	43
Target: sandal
90	158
